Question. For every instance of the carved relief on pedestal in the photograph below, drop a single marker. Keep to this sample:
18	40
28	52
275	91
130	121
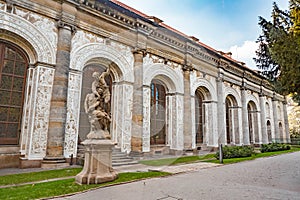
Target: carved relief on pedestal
73	105
40	114
45	48
146	119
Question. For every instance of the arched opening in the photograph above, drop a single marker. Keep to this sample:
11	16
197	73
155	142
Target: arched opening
268	111
199	117
253	122
232	129
280	132
269	131
158	113
202	109
13	70
87	80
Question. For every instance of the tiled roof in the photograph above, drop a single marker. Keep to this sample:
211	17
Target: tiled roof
178	32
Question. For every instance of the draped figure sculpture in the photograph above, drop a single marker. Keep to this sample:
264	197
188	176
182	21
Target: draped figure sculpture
95	104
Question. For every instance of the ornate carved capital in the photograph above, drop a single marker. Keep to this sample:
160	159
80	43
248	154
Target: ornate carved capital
187	68
139	51
71	27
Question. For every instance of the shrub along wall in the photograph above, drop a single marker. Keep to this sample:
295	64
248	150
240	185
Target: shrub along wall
236	152
274	147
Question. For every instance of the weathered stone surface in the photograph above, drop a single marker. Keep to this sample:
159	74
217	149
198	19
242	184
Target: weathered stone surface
97	164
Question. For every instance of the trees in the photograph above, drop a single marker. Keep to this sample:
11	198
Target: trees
279	49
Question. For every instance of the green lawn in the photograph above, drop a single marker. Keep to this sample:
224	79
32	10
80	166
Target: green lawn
178	160
38	176
211	158
68	186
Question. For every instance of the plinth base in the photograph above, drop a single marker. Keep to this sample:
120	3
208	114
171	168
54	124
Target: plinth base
97	164
54	162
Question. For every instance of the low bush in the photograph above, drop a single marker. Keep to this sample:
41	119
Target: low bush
236	152
274	147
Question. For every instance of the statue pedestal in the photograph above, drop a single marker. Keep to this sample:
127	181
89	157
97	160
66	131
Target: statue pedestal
97	164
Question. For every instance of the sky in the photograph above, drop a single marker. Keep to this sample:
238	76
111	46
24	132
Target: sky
225	25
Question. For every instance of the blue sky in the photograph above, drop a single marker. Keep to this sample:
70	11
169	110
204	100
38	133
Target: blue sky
226	25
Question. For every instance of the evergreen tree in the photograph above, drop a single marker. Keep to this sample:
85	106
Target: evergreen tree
279	49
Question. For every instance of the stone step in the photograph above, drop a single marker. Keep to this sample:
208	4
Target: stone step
118	158
114	164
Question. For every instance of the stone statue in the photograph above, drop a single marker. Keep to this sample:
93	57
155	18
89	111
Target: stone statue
95	104
98	146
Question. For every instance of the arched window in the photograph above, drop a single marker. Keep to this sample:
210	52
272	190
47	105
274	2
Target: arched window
269	131
199	116
232	128
253	123
158	110
13	69
268	110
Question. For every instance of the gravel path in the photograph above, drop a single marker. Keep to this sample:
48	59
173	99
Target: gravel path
266	178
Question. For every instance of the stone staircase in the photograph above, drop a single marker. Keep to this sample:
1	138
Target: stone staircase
121	158
118	158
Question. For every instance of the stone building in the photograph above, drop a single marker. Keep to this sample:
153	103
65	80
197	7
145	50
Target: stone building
168	90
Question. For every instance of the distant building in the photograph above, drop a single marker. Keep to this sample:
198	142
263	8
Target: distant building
170	92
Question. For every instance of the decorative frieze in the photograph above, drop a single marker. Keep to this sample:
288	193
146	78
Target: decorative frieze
36	111
73	111
44	48
146	119
43	24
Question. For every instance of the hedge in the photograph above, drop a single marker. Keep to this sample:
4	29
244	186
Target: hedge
274	147
236	152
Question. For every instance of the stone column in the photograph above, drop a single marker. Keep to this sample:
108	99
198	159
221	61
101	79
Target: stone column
263	119
276	125
54	153
187	124
245	117
137	108
286	123
221	110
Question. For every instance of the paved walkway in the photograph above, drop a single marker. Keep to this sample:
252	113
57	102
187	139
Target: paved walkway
273	178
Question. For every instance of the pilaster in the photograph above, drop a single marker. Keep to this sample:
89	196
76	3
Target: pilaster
187	125
221	109
245	120
263	119
286	123
58	111
275	117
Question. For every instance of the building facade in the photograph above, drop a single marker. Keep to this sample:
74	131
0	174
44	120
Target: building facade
168	90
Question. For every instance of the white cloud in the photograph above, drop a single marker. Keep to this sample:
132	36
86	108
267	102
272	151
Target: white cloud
245	53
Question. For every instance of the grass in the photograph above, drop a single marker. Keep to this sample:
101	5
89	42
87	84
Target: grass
178	160
68	186
254	156
37	176
211	158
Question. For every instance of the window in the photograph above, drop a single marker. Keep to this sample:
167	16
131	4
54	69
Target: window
13	68
158	104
